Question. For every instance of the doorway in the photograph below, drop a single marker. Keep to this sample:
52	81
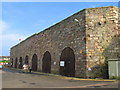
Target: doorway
20	63
34	62
46	62
67	62
16	63
26	60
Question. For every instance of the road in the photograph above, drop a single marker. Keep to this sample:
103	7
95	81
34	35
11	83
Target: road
16	79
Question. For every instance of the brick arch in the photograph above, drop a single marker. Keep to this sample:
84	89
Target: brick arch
34	62
46	62
20	63
67	62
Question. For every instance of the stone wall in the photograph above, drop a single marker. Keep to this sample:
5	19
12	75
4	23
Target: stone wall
67	33
88	33
101	35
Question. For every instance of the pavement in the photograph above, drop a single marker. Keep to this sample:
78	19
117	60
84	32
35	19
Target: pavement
15	78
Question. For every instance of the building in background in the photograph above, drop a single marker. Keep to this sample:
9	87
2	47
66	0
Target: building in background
4	60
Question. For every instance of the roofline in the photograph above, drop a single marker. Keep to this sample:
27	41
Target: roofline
61	21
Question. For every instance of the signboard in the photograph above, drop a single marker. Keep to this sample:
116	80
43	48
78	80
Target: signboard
62	63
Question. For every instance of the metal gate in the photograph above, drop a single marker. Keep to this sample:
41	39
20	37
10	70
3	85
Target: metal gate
46	62
34	62
67	62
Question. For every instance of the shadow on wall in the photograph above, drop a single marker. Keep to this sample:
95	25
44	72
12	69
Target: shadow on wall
111	52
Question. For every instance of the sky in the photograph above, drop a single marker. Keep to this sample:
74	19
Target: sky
23	19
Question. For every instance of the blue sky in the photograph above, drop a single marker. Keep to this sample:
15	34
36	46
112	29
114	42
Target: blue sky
22	19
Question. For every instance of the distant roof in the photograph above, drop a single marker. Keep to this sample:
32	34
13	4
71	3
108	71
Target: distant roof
4	56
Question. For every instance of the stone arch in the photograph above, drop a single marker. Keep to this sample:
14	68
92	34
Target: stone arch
46	62
20	63
26	60
34	62
16	62
67	62
12	62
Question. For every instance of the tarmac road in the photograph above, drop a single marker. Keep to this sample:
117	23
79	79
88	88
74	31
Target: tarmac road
12	78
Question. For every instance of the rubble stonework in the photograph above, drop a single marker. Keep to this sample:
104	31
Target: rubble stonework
92	34
102	35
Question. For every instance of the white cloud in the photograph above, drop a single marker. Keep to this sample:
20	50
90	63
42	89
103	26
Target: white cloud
8	39
3	26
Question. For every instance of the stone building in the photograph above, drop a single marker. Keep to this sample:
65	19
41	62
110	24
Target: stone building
79	46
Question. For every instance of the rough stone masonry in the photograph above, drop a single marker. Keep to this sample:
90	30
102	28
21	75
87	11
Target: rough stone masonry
79	45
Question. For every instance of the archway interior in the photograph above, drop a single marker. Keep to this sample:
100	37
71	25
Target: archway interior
34	62
46	62
12	62
20	63
16	63
26	60
67	62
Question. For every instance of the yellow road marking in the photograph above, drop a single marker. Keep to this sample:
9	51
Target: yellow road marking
87	79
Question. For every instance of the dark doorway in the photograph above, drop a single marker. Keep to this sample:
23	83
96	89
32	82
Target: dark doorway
67	62
46	62
34	62
20	63
12	62
16	63
26	60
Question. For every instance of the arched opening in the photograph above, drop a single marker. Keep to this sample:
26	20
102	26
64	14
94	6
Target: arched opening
26	60
67	62
46	62
20	63
34	62
16	63
12	62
